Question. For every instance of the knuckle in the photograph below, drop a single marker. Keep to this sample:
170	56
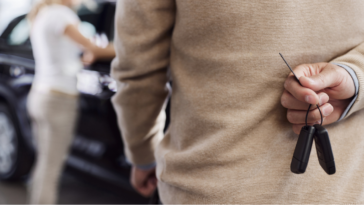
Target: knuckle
336	68
290	117
301	66
314	115
285	85
284	100
321	79
296	128
339	72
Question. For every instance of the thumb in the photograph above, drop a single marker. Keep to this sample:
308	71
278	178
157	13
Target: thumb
326	79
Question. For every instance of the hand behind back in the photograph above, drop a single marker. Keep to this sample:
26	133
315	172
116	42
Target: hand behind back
325	84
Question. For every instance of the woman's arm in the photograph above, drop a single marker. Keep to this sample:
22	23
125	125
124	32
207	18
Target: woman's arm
92	52
72	32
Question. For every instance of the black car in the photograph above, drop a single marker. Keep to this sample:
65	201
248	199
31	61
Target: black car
97	149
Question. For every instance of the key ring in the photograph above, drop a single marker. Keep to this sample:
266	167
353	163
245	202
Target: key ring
305	139
308	110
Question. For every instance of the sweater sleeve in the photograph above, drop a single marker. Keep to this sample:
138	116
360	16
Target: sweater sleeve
142	41
355	60
356	84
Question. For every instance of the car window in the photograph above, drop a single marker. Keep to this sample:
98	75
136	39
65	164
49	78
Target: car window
20	34
87	29
10	9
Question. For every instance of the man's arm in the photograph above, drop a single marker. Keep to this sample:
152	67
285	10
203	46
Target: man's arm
142	43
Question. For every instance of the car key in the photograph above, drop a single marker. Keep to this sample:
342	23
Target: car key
303	149
324	150
295	76
304	143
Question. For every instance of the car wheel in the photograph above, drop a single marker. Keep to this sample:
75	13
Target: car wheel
16	158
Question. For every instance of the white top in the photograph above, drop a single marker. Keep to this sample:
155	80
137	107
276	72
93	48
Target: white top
57	57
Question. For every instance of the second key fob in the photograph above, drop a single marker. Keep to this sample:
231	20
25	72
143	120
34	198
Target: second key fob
324	150
303	149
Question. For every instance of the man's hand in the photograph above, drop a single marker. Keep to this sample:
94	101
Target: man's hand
143	181
325	84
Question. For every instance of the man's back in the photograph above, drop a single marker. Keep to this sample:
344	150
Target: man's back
229	140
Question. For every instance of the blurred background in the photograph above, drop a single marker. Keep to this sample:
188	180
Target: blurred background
96	170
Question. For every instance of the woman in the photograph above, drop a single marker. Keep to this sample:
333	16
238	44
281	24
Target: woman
52	103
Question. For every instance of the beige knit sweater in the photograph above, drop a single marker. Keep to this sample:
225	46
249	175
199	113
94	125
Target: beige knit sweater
229	140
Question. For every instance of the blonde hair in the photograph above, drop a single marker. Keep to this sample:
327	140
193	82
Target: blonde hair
39	5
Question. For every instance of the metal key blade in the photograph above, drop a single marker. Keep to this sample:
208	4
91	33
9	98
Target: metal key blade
290	68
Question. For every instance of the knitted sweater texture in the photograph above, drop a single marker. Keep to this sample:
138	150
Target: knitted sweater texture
229	140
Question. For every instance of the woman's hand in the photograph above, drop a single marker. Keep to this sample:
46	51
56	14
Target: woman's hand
92	52
97	53
325	84
88	57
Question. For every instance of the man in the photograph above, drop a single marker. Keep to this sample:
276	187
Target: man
235	114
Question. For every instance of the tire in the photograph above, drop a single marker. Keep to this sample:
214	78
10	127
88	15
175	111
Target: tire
16	157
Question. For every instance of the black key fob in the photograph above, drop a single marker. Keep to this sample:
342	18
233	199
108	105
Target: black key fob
303	149
323	149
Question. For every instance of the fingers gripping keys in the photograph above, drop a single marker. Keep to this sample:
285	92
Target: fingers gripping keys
303	147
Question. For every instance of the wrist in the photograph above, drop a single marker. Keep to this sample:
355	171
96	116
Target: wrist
142	166
146	166
350	101
345	70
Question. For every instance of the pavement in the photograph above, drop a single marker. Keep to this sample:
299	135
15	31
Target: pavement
72	191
